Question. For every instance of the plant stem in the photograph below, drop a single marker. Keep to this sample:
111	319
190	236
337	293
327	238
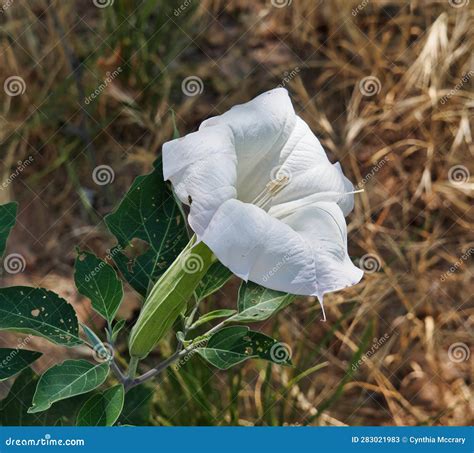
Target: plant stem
132	367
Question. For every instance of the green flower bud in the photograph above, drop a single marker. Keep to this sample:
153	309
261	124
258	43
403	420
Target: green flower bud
169	297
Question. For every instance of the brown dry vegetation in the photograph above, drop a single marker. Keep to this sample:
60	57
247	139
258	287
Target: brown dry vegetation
401	143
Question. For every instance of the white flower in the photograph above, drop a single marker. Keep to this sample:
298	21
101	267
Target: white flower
264	197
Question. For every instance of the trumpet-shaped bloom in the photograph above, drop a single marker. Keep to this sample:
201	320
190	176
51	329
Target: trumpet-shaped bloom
264	197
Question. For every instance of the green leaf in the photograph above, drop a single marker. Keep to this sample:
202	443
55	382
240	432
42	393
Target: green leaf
12	361
137	406
70	378
14	407
102	409
215	278
148	212
257	303
213	315
39	312
7	221
98	281
118	326
233	345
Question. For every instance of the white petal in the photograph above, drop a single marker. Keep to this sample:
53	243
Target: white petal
323	228
304	161
202	169
261	127
288	256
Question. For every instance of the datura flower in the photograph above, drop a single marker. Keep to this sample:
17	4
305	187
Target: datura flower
264	197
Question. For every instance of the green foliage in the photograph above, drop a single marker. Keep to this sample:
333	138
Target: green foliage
148	212
216	314
98	281
39	312
7	221
137	406
12	361
102	409
257	303
233	345
14	407
70	378
216	277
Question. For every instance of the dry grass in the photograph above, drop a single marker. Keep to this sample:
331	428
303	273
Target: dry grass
400	144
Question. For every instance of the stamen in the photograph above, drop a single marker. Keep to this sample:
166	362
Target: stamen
270	190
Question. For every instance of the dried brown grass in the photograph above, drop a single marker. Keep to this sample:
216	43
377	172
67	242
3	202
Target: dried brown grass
400	144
